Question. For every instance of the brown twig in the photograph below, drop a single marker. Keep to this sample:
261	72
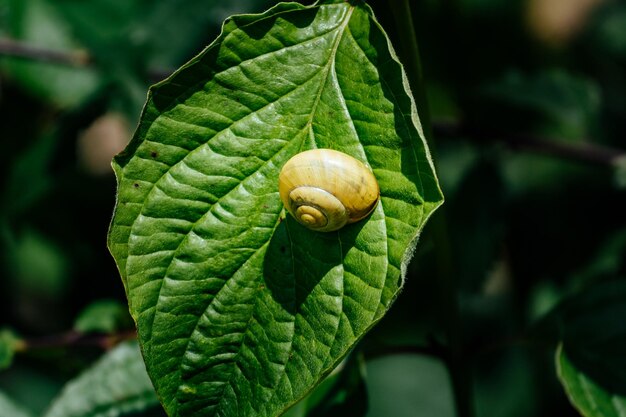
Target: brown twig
76	339
580	151
77	58
583	152
18	49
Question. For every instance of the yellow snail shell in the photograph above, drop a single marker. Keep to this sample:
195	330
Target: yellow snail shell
325	189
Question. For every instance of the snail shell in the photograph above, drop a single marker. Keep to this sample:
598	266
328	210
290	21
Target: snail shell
325	189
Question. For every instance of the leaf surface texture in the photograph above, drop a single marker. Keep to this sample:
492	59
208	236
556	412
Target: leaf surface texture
240	310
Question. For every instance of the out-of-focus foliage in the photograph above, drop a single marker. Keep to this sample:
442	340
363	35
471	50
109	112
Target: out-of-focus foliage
9	409
410	385
39	22
554	228
104	316
589	397
9	343
116	385
559	104
591	360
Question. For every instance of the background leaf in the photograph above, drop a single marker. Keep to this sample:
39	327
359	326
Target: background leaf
116	385
555	103
591	360
590	398
9	409
38	22
235	303
105	316
410	385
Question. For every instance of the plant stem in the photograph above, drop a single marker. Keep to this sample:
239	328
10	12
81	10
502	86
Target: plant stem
75	58
409	51
583	151
457	363
17	49
457	359
76	339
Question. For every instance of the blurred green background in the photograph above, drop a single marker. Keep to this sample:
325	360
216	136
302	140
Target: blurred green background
528	106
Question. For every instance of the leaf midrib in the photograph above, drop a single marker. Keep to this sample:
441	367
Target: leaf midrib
329	66
217	133
309	125
329	69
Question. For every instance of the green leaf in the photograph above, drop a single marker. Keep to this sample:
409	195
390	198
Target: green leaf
590	360
8	408
105	316
116	385
9	343
239	309
590	398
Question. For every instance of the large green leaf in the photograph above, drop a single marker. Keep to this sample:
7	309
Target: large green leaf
116	385
240	310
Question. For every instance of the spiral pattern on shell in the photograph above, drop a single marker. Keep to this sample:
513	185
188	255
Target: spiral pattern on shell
324	189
